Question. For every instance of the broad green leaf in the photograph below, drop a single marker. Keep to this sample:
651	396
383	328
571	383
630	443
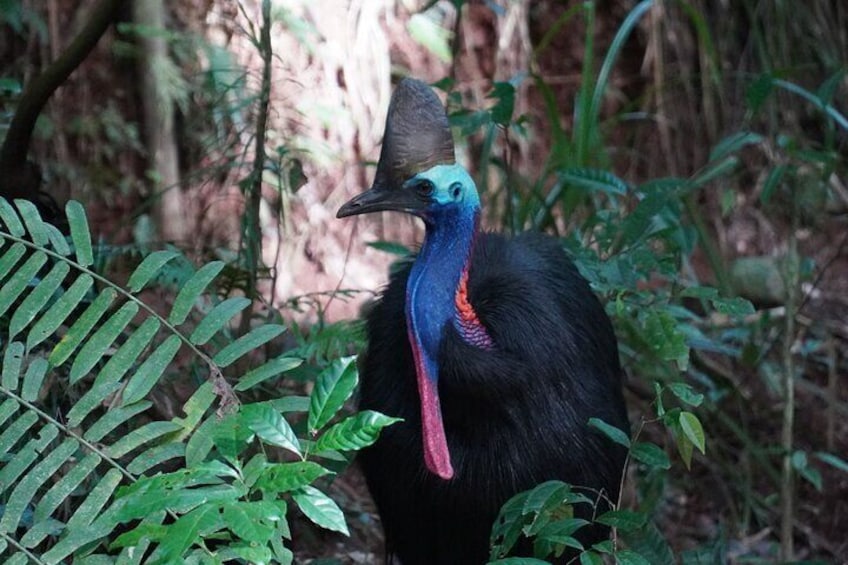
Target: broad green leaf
270	369
217	319
33	222
231	435
332	388
591	558
81	327
662	333
12	289
254	339
26	489
285	477
187	530
686	393
736	306
149	372
10	220
192	290
95	348
321	509
149	268
251	521
80	233
691	426
270	425
37	299
13	359
625	520
59	311
355	432
651	455
611	432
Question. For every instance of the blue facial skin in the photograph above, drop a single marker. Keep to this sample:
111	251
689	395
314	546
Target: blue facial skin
451	224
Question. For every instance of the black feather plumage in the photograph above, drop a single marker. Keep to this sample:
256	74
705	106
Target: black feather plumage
514	416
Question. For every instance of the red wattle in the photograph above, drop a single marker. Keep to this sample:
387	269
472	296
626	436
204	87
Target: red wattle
436	454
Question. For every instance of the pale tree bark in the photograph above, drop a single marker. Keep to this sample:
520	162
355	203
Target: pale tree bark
169	206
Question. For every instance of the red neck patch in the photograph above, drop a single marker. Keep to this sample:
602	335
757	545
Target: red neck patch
470	327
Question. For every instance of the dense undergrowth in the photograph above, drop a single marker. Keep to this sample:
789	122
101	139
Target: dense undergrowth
179	415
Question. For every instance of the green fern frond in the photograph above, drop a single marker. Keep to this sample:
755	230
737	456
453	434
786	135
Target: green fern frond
61	322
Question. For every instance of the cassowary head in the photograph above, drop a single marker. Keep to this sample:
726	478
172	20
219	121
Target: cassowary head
416	173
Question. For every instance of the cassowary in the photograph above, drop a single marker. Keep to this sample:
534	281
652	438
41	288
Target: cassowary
492	349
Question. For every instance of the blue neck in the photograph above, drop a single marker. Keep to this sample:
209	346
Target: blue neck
431	290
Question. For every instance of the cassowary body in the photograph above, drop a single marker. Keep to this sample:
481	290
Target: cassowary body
495	353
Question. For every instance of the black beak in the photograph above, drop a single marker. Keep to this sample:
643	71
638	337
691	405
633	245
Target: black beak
379	199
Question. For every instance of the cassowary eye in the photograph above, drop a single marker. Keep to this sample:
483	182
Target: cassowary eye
424	188
456	188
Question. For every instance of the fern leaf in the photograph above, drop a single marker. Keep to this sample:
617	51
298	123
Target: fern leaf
148	268
10	258
155	455
114	418
26	455
33	222
201	442
15	431
80	234
26	489
254	339
59	311
196	406
57	240
82	327
40	530
60	491
217	318
96	347
13	288
12	360
150	371
8	409
37	299
130	351
34	378
79	532
266	371
140	436
192	290
10	219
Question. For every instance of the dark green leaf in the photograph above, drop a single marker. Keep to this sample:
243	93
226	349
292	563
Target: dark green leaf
355	432
333	387
217	319
651	455
286	477
272	368
149	268
80	233
270	425
192	290
254	339
609	431
693	430
625	520
321	509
